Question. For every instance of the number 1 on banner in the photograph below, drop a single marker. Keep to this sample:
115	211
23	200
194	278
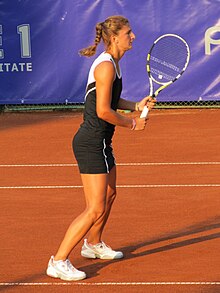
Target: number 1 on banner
167	60
24	32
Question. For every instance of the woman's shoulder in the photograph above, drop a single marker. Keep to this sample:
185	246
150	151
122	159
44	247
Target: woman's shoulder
103	57
101	60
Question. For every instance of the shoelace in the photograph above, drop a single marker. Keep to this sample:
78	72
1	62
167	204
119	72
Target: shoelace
103	246
67	265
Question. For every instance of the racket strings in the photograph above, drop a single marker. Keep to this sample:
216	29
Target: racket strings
167	59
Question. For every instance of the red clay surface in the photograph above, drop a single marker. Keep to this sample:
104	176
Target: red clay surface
166	217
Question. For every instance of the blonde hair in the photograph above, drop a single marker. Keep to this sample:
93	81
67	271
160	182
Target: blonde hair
104	30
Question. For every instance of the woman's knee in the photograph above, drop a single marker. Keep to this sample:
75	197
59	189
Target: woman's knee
111	195
96	213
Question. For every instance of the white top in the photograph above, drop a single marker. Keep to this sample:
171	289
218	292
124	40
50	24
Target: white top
101	58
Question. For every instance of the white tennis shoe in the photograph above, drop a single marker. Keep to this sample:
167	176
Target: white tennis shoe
100	250
64	270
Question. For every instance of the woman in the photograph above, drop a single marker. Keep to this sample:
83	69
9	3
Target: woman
93	150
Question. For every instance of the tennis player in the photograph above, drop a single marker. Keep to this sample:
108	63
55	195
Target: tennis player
92	147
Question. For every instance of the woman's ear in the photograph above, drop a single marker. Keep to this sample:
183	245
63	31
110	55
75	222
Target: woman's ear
114	39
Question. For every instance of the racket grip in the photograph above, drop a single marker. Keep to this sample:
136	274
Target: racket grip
144	112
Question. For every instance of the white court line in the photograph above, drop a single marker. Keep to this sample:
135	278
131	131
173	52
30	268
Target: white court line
118	164
113	284
118	186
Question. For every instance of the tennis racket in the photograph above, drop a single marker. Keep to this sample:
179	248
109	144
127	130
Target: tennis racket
167	60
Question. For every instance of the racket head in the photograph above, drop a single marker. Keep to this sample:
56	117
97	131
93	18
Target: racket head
167	59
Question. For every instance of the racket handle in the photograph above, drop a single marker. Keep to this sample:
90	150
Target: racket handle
144	112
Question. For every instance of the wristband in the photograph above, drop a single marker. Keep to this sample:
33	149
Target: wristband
137	107
133	124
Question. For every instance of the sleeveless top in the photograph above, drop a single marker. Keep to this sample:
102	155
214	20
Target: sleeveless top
92	123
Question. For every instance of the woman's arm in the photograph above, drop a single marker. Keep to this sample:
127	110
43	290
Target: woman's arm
127	105
104	76
136	106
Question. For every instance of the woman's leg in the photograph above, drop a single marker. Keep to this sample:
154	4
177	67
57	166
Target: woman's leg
95	233
95	189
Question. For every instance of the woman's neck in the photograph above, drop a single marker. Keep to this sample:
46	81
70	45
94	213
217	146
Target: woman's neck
116	55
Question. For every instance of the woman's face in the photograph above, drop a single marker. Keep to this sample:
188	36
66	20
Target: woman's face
125	38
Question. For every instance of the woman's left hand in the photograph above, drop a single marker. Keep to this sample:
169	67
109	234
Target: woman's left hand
147	101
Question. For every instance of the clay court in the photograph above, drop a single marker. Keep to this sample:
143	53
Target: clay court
165	220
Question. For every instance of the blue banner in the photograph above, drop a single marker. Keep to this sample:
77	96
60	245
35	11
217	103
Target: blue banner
39	44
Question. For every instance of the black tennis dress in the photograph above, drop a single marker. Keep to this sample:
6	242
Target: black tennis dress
92	144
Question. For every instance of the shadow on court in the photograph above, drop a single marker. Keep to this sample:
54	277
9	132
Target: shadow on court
27	279
130	251
19	120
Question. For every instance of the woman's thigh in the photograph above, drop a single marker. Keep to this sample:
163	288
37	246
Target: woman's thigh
111	189
95	189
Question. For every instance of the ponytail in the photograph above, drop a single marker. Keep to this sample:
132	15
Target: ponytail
91	50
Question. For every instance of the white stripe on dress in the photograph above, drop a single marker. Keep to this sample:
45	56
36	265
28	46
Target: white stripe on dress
89	91
106	163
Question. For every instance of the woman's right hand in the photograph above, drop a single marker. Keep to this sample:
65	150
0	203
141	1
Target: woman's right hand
140	123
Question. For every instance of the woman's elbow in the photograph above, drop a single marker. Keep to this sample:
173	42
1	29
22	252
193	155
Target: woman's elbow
102	114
